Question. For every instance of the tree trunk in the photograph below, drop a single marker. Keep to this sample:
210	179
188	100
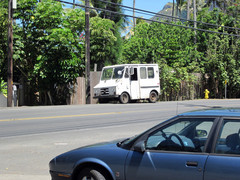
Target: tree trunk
195	19
173	10
188	9
177	8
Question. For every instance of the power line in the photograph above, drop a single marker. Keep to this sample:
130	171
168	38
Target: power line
158	14
163	15
126	8
151	20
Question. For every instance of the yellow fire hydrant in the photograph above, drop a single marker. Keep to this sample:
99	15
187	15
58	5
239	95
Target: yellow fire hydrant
206	92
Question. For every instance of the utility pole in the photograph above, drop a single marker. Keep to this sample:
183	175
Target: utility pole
188	9
225	89
173	11
195	21
10	54
73	4
87	53
134	19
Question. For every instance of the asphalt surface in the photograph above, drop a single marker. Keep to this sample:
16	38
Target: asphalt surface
31	136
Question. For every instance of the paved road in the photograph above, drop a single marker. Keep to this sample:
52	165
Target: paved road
31	136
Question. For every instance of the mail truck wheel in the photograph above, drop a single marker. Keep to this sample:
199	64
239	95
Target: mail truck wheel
124	98
153	97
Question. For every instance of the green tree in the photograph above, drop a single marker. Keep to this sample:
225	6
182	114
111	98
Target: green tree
221	54
61	58
3	87
109	7
113	12
180	4
3	38
172	48
48	49
221	64
136	48
102	41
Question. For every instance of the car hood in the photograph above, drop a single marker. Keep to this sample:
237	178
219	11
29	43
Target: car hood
105	154
108	83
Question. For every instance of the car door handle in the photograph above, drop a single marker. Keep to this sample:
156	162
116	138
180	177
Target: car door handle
192	164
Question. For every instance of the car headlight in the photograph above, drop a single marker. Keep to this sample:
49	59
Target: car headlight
96	92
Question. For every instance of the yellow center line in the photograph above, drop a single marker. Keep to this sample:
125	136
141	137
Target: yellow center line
55	117
69	116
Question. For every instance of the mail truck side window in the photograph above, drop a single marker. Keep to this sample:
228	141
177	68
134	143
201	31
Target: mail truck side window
143	73
150	72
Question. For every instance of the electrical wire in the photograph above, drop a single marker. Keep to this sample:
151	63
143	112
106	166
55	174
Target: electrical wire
158	14
125	8
163	15
151	20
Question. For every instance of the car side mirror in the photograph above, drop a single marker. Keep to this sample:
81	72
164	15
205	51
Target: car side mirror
201	133
140	147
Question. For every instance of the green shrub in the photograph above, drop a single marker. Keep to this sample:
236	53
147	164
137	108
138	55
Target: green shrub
3	87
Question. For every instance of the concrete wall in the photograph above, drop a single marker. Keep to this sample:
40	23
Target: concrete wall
94	80
3	101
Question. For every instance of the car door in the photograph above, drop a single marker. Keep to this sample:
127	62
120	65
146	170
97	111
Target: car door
172	152
134	84
224	162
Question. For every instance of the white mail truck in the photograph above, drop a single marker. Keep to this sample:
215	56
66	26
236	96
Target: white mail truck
128	82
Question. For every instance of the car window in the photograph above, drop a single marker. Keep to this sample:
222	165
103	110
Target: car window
228	141
182	135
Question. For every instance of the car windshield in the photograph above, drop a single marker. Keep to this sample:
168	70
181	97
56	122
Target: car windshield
112	73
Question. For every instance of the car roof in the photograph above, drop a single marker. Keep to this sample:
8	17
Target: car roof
228	112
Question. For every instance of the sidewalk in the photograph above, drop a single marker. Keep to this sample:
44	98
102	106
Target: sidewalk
24	177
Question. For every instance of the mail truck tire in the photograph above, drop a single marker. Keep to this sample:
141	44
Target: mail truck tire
153	97
124	98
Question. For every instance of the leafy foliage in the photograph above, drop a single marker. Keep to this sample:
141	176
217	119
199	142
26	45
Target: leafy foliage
48	48
221	54
3	37
170	47
119	24
214	56
102	41
3	87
